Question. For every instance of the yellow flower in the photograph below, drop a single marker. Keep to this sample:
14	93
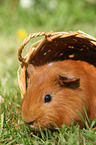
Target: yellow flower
21	34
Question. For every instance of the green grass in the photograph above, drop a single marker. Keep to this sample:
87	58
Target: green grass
65	16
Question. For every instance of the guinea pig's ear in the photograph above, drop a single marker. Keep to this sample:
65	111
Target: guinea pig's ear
65	81
30	70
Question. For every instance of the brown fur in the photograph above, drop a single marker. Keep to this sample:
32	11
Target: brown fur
65	100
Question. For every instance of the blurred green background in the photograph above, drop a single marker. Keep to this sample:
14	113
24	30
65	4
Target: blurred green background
46	15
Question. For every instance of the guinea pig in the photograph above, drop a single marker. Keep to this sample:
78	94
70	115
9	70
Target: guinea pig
56	91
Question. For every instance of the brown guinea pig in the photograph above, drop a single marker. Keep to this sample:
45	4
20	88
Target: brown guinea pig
56	91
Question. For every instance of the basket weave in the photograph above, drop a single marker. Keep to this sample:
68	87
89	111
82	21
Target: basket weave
55	46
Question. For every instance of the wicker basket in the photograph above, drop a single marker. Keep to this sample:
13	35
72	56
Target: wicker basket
55	46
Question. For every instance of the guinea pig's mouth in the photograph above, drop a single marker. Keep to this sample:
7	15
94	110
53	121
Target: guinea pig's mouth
33	127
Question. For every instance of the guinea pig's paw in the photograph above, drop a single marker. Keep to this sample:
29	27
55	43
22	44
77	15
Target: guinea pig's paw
31	125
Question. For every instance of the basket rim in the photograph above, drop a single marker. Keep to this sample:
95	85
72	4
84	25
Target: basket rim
49	36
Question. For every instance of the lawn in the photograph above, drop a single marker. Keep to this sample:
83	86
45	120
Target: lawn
17	22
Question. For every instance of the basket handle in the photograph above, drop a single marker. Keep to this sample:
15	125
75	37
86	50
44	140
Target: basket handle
26	40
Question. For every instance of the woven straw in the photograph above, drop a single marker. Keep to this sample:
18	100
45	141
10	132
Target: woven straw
53	47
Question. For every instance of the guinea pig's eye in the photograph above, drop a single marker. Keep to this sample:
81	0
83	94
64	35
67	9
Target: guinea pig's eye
47	98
